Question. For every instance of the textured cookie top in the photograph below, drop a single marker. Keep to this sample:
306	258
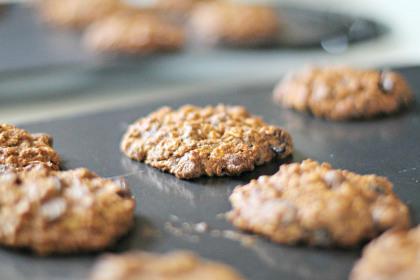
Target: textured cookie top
172	266
340	93
213	141
316	204
76	13
394	255
234	23
20	150
60	212
134	31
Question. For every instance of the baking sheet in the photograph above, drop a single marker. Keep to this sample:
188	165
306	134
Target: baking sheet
39	61
168	207
22	32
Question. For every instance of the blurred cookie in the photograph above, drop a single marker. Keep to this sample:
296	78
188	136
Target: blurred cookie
171	266
178	7
62	212
76	13
22	151
213	141
394	255
134	32
315	204
341	93
234	24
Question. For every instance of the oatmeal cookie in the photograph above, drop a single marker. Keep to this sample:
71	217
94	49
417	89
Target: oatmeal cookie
315	204
22	151
342	93
134	32
214	141
62	212
171	266
393	256
76	13
235	24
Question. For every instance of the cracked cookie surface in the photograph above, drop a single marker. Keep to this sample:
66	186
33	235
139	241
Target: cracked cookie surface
22	151
394	255
213	141
133	31
235	24
313	203
171	266
62	211
342	93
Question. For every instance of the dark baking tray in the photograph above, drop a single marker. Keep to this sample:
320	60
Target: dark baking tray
26	42
386	146
40	61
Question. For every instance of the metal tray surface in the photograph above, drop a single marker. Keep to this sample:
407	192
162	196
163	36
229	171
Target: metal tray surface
386	146
58	65
22	32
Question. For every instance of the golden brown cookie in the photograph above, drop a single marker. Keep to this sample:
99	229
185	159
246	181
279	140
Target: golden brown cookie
134	32
76	13
172	266
236	24
213	141
22	151
342	93
393	256
62	212
315	204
